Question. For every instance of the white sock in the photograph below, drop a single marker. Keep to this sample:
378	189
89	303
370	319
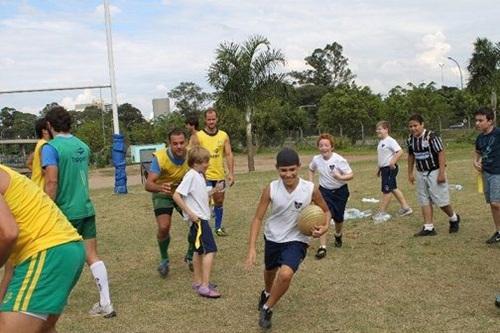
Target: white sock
101	279
454	217
428	226
267	294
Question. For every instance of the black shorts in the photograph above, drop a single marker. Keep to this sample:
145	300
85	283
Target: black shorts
336	200
207	241
290	254
388	177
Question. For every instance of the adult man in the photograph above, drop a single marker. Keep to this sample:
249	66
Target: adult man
65	160
167	169
487	161
43	256
426	150
34	160
217	143
192	126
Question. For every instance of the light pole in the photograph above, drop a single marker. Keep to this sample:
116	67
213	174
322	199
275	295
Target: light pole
460	71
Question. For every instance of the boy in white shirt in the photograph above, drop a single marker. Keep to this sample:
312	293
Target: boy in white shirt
389	152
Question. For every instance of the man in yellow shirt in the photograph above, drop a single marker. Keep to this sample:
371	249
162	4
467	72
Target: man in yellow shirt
34	161
218	144
43	256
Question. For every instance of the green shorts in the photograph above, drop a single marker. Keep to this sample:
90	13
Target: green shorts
163	204
42	283
85	227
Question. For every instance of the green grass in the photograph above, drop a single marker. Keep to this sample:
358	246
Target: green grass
382	280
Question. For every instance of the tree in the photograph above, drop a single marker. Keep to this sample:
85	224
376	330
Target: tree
484	67
189	98
128	115
329	68
244	74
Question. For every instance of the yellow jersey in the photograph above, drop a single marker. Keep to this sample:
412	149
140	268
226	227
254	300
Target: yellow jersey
169	171
40	222
36	167
214	143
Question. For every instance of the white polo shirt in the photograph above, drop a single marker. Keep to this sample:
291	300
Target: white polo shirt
386	150
193	188
325	169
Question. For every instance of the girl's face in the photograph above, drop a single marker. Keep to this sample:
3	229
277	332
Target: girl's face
325	147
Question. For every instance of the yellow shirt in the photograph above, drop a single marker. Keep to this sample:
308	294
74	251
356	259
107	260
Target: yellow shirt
36	167
41	224
215	145
169	171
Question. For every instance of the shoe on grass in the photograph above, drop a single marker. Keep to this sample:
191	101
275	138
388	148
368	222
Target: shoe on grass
164	268
405	211
494	239
338	241
105	311
265	318
221	232
321	253
208	292
425	232
455	225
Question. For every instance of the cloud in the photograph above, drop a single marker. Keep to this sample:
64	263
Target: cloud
86	97
434	49
113	10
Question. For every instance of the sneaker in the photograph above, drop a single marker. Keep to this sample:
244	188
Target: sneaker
189	262
405	211
455	225
263	299
163	268
425	232
208	292
221	232
338	241
321	253
494	239
497	301
105	311
265	318
196	286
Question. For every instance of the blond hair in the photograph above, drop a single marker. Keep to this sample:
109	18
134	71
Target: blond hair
198	155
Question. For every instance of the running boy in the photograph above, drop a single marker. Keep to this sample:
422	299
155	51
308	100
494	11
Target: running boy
389	152
285	247
426	149
334	172
192	197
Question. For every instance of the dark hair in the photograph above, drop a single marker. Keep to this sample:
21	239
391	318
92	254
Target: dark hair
59	119
40	125
416	117
210	109
485	111
193	121
197	155
176	131
287	157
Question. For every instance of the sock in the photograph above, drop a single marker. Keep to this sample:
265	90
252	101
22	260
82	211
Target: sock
338	235
265	307
218	211
428	226
454	217
267	294
163	245
101	279
322	246
190	250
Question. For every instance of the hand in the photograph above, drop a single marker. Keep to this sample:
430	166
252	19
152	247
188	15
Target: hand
392	166
166	188
478	166
337	175
411	179
230	180
250	261
319	230
441	178
193	217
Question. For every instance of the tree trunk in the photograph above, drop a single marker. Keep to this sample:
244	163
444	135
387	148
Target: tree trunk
250	148
362	134
341	131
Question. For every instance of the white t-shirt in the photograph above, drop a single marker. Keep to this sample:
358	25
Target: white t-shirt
281	224
325	169
193	188
385	150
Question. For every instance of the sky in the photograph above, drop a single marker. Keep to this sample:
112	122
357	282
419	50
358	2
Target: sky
160	43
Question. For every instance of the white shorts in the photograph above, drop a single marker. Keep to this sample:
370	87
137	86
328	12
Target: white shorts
429	191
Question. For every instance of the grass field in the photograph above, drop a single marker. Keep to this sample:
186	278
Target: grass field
382	280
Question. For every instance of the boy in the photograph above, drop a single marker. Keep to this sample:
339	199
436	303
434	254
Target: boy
426	150
389	152
487	161
285	246
192	197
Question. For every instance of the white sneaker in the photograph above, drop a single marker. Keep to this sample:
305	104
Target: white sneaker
405	211
105	311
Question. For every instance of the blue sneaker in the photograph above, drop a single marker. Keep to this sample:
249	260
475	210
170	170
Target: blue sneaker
164	268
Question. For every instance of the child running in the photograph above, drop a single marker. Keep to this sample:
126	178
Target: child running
334	172
285	246
192	197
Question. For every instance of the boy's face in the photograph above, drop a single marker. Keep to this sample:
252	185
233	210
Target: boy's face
416	128
289	174
482	123
324	146
382	132
201	167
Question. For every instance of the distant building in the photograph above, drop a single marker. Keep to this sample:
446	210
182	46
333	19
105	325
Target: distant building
96	103
161	106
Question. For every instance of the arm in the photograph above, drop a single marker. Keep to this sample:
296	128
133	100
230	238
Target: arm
182	204
265	199
317	198
7	276
394	160
411	163
51	176
477	162
345	177
152	187
310	175
29	161
230	161
194	141
8	231
442	167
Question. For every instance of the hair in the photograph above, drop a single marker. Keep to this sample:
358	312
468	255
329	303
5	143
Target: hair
193	121
59	119
326	136
416	117
287	157
174	132
40	125
384	124
485	111
210	109
197	155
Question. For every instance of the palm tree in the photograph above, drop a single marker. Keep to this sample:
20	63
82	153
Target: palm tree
242	74
484	67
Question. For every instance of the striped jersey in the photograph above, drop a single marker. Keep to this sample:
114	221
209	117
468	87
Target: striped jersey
426	150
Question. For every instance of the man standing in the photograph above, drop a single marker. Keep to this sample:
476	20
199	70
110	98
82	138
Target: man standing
218	144
65	160
34	160
168	167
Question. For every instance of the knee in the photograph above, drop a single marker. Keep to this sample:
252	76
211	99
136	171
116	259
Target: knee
495	205
163	231
286	275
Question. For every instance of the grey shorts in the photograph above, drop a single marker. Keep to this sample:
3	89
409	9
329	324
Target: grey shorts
491	183
429	191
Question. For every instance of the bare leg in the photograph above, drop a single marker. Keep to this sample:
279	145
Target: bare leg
91	251
427	213
50	324
206	262
16	322
495	211
269	277
197	269
400	197
280	286
448	210
386	199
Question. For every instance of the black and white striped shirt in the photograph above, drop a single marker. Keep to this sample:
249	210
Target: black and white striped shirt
426	150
